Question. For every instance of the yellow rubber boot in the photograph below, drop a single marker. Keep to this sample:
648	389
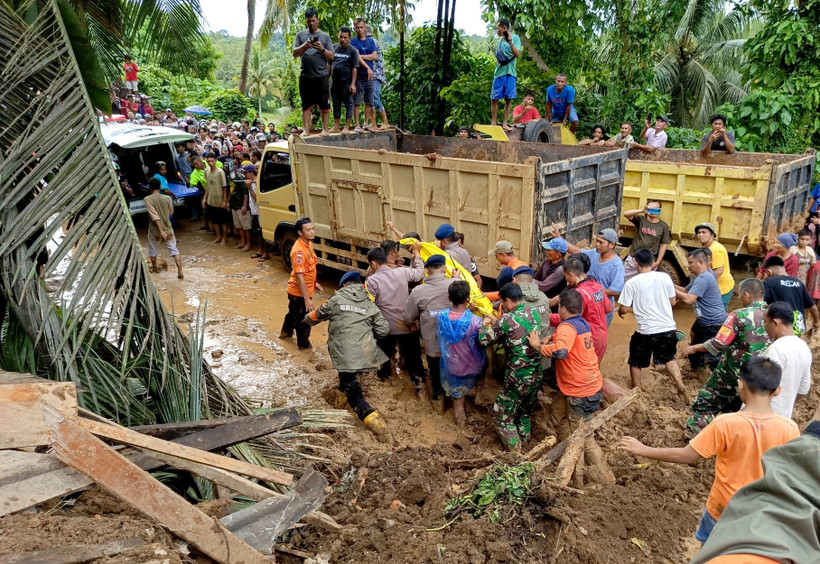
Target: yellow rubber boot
375	423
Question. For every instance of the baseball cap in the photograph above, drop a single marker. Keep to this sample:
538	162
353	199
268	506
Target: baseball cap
609	234
664	119
523	270
444	230
435	260
464	128
556	244
249	168
352	276
261	137
503	247
708	226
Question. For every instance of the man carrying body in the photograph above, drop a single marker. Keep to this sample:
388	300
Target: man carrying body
315	48
343	84
504	78
368	53
778	286
446	237
655	137
705	232
522	378
354	325
624	137
651	232
427	301
160	208
526	112
302	284
560	99
742	336
605	265
703	295
651	296
550	275
390	290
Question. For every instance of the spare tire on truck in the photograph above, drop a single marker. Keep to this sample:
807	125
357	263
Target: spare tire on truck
538	131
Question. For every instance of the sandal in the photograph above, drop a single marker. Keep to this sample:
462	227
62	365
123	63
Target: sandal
257	255
263	259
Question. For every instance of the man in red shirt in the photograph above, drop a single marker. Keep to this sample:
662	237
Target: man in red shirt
302	285
596	303
526	112
131	69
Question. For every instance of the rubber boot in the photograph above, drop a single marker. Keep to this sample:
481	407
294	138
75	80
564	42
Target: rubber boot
375	423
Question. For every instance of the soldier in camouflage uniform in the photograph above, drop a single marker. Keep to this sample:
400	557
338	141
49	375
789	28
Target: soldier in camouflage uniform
741	337
523	375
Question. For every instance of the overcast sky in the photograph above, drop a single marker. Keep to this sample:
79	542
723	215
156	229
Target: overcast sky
221	15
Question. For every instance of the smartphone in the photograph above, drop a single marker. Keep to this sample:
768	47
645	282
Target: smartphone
506	34
649	117
313	39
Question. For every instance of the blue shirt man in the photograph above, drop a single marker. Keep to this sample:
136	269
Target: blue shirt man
368	53
560	100
506	72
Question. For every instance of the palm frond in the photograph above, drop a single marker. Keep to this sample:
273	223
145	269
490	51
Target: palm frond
702	89
277	16
667	73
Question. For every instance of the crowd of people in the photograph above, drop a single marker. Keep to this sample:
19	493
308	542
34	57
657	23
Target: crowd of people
549	332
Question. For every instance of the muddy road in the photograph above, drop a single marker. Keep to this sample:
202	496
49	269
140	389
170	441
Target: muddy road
396	513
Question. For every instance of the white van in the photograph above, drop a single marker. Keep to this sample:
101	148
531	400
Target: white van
135	149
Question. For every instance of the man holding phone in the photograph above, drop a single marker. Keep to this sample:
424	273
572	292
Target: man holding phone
655	136
315	48
505	75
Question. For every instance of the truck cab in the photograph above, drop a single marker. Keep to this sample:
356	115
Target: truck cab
276	199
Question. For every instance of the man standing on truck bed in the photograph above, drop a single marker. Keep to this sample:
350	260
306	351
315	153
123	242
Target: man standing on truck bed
706	234
368	53
650	233
315	48
302	284
505	76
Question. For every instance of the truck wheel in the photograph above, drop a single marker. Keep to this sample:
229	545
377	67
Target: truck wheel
285	247
538	131
673	271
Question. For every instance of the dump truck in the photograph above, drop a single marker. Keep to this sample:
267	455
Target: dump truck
350	185
749	197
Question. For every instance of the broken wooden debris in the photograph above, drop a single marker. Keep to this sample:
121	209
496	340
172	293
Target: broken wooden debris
21	423
289	550
260	524
77	447
132	438
75	554
574	450
539	449
242	429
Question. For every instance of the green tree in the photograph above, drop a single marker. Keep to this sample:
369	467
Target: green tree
229	105
261	80
243	74
701	59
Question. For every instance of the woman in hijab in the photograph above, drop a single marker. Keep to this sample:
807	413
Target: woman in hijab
781	247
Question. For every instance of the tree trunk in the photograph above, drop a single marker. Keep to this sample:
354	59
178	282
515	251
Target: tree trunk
539	62
449	30
260	107
401	68
243	75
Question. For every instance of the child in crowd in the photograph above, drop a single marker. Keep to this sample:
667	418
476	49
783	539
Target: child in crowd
804	253
737	439
462	358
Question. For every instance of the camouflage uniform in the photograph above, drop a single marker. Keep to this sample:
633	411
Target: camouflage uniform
741	337
523	376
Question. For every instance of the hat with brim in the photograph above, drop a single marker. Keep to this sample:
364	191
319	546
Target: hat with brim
435	261
708	226
557	244
502	248
352	276
609	234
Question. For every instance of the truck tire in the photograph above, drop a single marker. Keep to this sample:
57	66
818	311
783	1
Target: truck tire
673	271
538	131
285	246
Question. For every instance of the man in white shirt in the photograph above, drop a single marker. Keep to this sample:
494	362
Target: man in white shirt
650	295
655	137
791	353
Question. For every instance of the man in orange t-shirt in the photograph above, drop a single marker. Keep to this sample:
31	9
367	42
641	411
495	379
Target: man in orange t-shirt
738	440
302	284
505	255
577	375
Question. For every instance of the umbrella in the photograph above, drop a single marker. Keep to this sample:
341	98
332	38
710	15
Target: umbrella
115	117
198	110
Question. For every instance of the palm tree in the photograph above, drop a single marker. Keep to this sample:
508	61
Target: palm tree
701	60
243	75
261	80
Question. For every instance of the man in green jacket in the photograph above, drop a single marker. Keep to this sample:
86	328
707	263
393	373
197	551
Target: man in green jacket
355	324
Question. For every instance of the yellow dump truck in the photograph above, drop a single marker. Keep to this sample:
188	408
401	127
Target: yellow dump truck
350	185
749	197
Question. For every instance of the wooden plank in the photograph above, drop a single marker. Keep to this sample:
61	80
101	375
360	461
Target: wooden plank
132	438
233	430
259	525
21	422
17	465
78	448
63	481
594	424
75	554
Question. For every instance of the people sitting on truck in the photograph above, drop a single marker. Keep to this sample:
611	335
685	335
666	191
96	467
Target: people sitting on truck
505	75
599	137
780	248
561	103
707	236
651	232
447	240
719	139
655	136
464	132
550	275
779	286
526	111
605	265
